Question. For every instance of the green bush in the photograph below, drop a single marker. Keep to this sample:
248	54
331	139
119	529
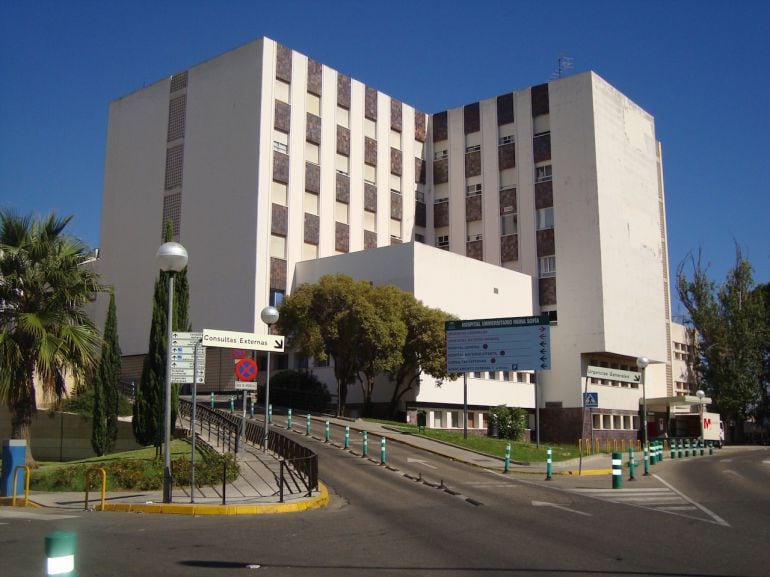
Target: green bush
511	421
82	403
299	390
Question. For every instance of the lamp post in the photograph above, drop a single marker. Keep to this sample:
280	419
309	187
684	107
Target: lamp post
642	363
700	394
269	316
172	258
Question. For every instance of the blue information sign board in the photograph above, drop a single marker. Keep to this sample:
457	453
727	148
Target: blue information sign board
503	344
590	400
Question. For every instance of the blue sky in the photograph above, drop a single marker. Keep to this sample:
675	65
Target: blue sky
700	67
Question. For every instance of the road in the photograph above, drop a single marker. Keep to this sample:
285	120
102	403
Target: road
696	517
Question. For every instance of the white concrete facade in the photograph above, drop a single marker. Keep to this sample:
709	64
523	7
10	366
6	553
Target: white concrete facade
590	247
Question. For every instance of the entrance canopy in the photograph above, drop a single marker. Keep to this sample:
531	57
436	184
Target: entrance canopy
684	404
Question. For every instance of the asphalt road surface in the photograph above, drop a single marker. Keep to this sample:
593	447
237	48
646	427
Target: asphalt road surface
425	515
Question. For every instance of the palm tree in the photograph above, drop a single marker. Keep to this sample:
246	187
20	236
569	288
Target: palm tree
45	334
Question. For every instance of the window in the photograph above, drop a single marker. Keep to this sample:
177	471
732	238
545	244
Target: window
419	195
473	190
508	224
281	91
343	164
597	418
473	148
547	266
440	200
419	237
440	154
343	117
280	142
472	237
281	147
370	174
503	140
543	173
312	152
545	218
442	241
276	298
313	104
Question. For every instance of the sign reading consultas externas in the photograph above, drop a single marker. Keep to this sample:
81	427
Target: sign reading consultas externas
503	344
251	341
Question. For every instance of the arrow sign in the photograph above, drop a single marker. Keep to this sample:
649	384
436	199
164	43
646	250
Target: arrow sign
562	507
235	340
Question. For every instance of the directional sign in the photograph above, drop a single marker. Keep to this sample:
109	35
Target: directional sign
182	357
590	400
613	374
246	370
251	341
504	344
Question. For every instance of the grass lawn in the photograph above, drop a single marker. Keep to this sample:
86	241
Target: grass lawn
524	452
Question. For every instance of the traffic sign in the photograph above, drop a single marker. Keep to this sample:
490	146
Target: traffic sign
246	370
239	353
591	400
502	344
245	386
250	341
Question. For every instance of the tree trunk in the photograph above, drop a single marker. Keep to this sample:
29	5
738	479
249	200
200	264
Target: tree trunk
22	409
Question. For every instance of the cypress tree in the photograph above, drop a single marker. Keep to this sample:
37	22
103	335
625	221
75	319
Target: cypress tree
99	422
109	374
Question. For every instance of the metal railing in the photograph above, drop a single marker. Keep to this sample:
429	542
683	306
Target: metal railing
298	464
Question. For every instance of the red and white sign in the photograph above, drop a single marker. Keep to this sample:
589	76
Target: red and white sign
246	370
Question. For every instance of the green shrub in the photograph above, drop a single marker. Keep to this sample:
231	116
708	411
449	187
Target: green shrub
511	421
82	403
300	390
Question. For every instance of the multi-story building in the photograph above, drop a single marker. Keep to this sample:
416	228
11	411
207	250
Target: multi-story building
263	158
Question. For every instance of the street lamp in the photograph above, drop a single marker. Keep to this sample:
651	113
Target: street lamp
269	316
642	363
172	258
700	394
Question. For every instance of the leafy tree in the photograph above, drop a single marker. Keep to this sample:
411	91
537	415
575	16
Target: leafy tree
423	350
106	392
298	389
731	323
149	403
382	334
45	333
320	320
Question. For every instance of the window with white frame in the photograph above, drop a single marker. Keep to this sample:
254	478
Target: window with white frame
473	148
547	266
473	189
543	173
343	164
503	140
442	241
509	224
280	142
313	104
282	91
440	154
545	218
370	174
343	117
312	152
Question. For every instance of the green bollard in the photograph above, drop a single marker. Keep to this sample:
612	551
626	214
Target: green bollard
617	470
382	451
212	400
347	437
60	553
631	464
548	464
232	405
365	445
328	431
679	448
711	448
647	460
661	450
251	409
687	448
507	458
270	413
672	448
702	444
288	424
307	425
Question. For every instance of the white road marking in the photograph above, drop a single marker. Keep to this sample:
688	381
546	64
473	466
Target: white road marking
731	472
561	507
708	512
424	463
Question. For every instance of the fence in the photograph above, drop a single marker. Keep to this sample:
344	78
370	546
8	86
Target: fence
298	464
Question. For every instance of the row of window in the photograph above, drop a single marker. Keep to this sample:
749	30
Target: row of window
603	422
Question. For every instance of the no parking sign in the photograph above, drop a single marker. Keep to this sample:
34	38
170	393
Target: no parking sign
246	370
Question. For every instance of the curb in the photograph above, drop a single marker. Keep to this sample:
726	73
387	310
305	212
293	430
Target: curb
321	500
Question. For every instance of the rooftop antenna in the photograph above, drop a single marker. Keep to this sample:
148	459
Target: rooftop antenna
563	64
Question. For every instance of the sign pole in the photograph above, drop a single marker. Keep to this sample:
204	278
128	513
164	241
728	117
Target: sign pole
192	420
465	405
537	408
